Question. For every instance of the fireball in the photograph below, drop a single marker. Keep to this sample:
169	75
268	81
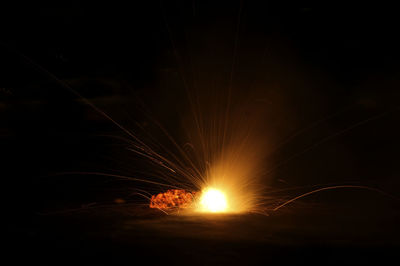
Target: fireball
172	199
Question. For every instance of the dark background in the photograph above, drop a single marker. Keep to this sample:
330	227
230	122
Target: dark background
338	65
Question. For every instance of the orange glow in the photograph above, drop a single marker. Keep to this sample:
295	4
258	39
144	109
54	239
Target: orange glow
173	198
223	151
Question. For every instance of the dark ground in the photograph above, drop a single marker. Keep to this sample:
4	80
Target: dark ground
308	63
327	236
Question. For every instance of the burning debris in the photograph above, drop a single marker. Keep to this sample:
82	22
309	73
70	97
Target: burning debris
173	198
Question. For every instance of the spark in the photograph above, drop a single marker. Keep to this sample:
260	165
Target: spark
229	154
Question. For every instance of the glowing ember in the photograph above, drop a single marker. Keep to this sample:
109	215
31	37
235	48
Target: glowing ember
213	200
173	198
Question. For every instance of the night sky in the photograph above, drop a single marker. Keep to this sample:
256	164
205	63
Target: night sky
328	77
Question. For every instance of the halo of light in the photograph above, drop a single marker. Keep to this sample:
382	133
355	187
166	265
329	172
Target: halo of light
213	200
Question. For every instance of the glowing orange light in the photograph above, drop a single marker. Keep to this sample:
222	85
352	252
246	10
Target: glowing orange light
173	198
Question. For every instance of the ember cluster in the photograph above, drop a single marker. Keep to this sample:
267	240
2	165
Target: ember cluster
173	198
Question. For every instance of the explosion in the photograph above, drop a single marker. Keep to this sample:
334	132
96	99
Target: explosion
210	200
217	179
